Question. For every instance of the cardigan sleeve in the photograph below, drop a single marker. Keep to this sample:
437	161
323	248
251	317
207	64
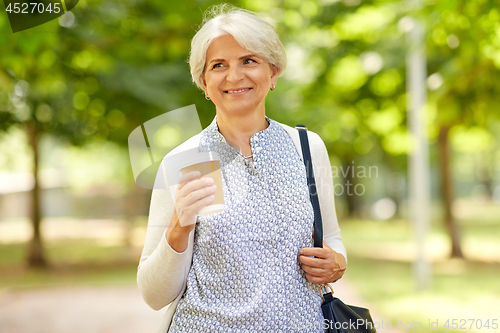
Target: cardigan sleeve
162	271
326	191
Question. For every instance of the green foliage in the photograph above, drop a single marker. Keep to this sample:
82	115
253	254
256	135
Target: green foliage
465	55
121	57
124	62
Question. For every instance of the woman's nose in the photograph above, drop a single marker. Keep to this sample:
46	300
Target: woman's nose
234	74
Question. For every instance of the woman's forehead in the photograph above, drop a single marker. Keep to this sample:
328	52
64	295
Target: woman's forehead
226	46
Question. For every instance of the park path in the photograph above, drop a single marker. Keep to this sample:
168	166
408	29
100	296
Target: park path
348	294
107	309
76	310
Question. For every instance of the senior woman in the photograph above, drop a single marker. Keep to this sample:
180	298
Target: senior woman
251	267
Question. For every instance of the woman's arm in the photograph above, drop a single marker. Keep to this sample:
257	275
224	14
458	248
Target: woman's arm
162	270
167	253
327	264
326	191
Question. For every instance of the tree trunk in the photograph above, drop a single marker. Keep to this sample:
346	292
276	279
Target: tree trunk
484	175
447	192
36	257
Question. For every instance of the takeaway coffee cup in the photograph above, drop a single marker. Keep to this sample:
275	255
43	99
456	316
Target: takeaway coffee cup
209	166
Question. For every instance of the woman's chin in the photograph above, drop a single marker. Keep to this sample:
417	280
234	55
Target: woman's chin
240	107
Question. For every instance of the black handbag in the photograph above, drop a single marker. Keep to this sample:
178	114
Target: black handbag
338	317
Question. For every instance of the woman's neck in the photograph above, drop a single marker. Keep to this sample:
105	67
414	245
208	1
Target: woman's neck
239	130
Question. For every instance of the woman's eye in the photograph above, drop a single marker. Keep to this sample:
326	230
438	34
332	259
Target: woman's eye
249	61
217	65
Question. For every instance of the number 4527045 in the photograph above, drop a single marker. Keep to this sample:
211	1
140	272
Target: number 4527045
38	7
470	323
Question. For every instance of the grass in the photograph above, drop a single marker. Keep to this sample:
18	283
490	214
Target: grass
75	262
380	267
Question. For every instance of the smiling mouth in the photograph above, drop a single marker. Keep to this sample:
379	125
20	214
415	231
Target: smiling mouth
235	91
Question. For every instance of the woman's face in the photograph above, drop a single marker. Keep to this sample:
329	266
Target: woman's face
237	80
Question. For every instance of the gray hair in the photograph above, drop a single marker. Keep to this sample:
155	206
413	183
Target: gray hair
249	30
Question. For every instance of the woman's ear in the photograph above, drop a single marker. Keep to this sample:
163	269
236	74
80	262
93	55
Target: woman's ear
274	75
204	86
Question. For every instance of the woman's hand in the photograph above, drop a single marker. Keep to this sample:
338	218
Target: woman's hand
328	266
192	194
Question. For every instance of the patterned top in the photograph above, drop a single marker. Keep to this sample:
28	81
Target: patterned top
245	275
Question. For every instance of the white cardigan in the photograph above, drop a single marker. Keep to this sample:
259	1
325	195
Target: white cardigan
162	271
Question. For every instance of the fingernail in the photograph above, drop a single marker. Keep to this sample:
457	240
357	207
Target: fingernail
301	252
209	180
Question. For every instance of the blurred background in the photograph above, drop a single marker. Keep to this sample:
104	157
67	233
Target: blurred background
72	220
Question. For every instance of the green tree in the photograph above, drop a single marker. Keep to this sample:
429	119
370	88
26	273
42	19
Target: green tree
463	47
105	69
346	79
37	101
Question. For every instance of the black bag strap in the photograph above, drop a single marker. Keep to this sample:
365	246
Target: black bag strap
313	193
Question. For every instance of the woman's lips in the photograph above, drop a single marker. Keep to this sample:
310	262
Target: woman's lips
238	91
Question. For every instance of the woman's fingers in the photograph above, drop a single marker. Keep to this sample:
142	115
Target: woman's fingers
319	252
188	177
199	204
322	265
194	185
196	193
315	279
193	193
198	198
314	271
192	181
310	261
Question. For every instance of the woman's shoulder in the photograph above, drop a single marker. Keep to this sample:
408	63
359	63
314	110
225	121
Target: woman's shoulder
313	137
192	142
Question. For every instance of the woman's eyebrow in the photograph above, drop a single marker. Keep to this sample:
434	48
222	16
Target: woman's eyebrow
250	56
215	60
